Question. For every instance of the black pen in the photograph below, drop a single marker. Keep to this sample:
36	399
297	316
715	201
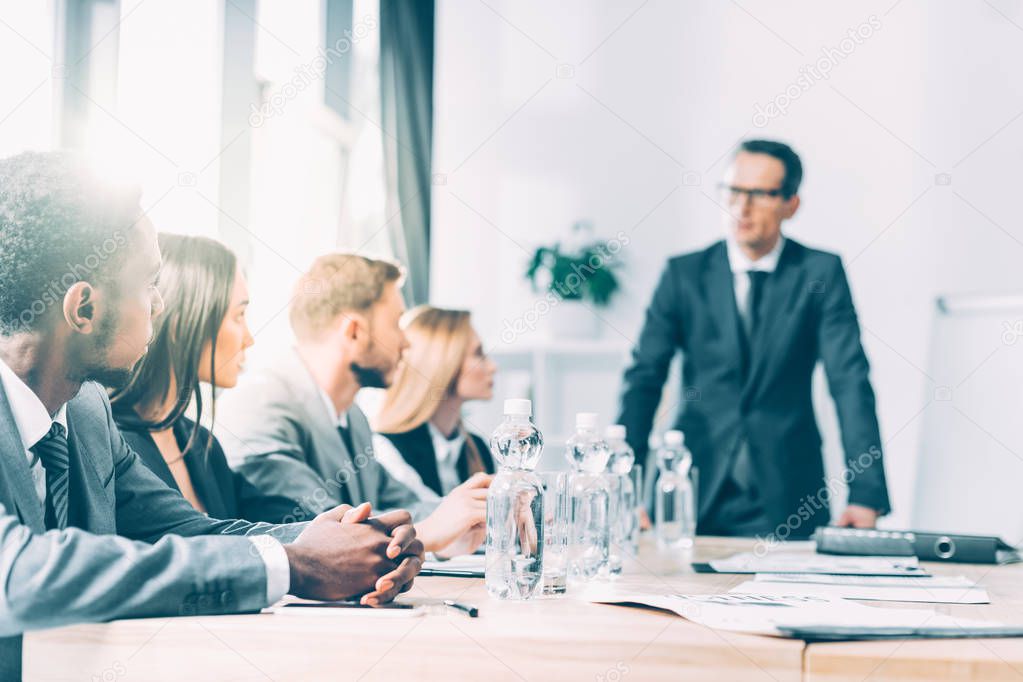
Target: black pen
450	573
472	611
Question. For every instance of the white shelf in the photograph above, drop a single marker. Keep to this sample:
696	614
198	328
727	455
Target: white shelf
567	347
561	377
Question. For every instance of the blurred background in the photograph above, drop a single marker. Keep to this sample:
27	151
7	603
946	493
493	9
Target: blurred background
459	136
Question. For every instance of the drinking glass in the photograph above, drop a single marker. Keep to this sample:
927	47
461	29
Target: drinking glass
555	532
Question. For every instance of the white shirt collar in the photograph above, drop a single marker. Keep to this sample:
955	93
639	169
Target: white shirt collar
340	419
443	447
739	262
30	415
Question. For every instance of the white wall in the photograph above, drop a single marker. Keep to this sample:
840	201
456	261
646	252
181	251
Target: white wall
659	91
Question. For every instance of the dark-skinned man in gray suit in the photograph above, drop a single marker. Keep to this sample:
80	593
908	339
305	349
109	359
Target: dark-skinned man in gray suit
752	315
88	532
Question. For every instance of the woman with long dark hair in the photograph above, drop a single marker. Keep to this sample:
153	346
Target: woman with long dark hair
201	338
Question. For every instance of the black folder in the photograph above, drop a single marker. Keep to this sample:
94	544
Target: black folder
949	547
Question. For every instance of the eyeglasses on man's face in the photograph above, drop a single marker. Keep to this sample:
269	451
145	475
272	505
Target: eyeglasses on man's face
757	196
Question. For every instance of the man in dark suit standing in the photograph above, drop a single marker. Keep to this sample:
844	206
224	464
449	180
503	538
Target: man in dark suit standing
752	314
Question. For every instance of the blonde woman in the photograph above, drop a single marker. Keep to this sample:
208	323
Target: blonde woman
421	439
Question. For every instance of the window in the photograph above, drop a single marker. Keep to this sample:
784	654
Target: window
253	121
26	100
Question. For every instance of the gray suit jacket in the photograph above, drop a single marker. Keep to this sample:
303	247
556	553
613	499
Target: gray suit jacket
135	548
276	430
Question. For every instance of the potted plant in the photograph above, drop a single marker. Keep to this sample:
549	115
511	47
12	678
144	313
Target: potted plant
576	280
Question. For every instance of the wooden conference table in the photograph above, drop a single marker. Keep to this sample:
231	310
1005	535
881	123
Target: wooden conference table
543	639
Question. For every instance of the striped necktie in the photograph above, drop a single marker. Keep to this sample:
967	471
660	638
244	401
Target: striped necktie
52	451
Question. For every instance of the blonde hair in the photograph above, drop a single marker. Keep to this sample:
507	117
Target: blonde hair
336	283
438	342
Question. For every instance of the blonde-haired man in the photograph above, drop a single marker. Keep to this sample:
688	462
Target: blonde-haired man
293	429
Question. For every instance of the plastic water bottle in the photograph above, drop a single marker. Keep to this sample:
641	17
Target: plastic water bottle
515	506
624	520
674	503
590	528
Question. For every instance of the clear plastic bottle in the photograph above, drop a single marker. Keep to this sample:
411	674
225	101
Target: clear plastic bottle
590	533
674	498
624	519
515	506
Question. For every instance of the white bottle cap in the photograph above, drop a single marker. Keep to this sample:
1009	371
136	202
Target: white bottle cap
586	420
674	438
519	406
615	432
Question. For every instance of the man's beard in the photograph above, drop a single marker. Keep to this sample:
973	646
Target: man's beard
109	377
96	367
370	377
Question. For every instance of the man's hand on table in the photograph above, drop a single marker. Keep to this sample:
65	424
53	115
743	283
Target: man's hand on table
857	516
344	553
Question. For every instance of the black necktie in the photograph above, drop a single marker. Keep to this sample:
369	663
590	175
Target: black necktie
52	451
750	318
345	492
756	295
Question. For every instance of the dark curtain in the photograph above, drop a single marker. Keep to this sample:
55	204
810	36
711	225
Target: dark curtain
406	87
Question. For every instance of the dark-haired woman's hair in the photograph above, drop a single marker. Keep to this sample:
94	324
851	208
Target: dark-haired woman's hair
196	283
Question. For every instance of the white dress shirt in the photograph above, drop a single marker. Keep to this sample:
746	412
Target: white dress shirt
445	450
33	422
741	266
341	419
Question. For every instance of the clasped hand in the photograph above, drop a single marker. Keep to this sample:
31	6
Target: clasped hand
345	553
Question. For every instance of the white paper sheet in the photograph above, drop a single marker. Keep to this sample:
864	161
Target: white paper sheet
469	562
921	594
764	614
801	562
959	581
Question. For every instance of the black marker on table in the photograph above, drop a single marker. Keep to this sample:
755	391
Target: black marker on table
469	610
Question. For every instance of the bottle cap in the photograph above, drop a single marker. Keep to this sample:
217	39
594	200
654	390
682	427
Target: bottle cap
674	438
519	406
586	420
615	432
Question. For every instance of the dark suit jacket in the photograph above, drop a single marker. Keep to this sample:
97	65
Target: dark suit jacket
416	446
133	547
226	494
806	315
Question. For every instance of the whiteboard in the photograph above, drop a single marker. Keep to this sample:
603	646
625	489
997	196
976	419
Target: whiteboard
970	468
